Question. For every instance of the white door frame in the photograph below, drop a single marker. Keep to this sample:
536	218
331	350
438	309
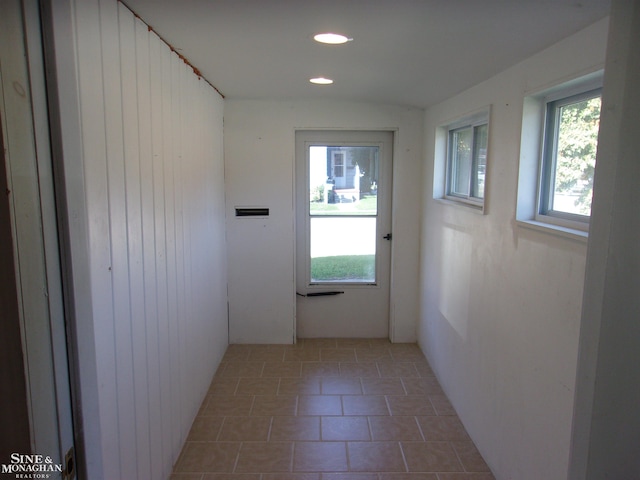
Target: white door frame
386	140
36	251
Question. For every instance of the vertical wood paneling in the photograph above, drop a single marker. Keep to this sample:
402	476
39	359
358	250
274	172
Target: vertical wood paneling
151	139
174	285
152	242
133	192
91	98
162	225
187	362
185	255
180	322
121	287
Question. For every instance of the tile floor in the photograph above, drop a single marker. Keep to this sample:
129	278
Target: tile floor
328	409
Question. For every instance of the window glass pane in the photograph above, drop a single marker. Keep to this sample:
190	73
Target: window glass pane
343	180
461	145
480	160
577	142
343	249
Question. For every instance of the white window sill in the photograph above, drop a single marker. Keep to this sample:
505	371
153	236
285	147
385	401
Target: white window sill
468	206
556	230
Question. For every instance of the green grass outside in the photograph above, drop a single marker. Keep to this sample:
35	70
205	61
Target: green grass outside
366	206
343	267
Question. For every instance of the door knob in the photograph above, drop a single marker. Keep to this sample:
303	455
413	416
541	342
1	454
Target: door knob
387	236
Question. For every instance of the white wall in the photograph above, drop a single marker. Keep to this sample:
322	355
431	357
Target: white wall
606	432
500	304
144	180
259	166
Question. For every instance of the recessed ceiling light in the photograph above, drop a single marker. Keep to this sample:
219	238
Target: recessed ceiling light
321	81
331	38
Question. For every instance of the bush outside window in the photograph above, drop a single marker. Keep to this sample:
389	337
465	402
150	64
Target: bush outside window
569	157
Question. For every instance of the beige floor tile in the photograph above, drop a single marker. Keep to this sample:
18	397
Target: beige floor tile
373	354
257	386
299	386
224	386
364	405
469	456
442	429
269	405
320	457
466	476
205	404
244	429
357	342
327	409
408	476
205	429
243	369
345	428
417	405
302	355
264	457
431	457
320	343
185	476
224	405
266	353
375	457
397	369
208	457
341	386
291	476
423	368
320	369
338	355
422	386
231	476
349	476
360	369
319	405
395	428
282	369
442	405
383	386
295	429
237	353
406	352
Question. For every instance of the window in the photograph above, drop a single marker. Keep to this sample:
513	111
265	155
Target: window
569	157
467	159
558	147
338	164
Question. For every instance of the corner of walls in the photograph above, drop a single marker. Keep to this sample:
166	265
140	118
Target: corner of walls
606	421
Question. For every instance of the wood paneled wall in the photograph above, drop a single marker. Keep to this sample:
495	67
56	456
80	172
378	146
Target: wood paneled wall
145	200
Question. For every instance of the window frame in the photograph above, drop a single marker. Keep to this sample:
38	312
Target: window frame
473	122
531	148
548	158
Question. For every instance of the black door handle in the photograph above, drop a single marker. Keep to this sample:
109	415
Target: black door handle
387	236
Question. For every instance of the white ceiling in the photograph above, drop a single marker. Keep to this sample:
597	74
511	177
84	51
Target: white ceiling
404	52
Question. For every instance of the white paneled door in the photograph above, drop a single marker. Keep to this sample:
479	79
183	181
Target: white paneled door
343	237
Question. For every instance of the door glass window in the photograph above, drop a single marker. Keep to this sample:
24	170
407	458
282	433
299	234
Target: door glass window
343	209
